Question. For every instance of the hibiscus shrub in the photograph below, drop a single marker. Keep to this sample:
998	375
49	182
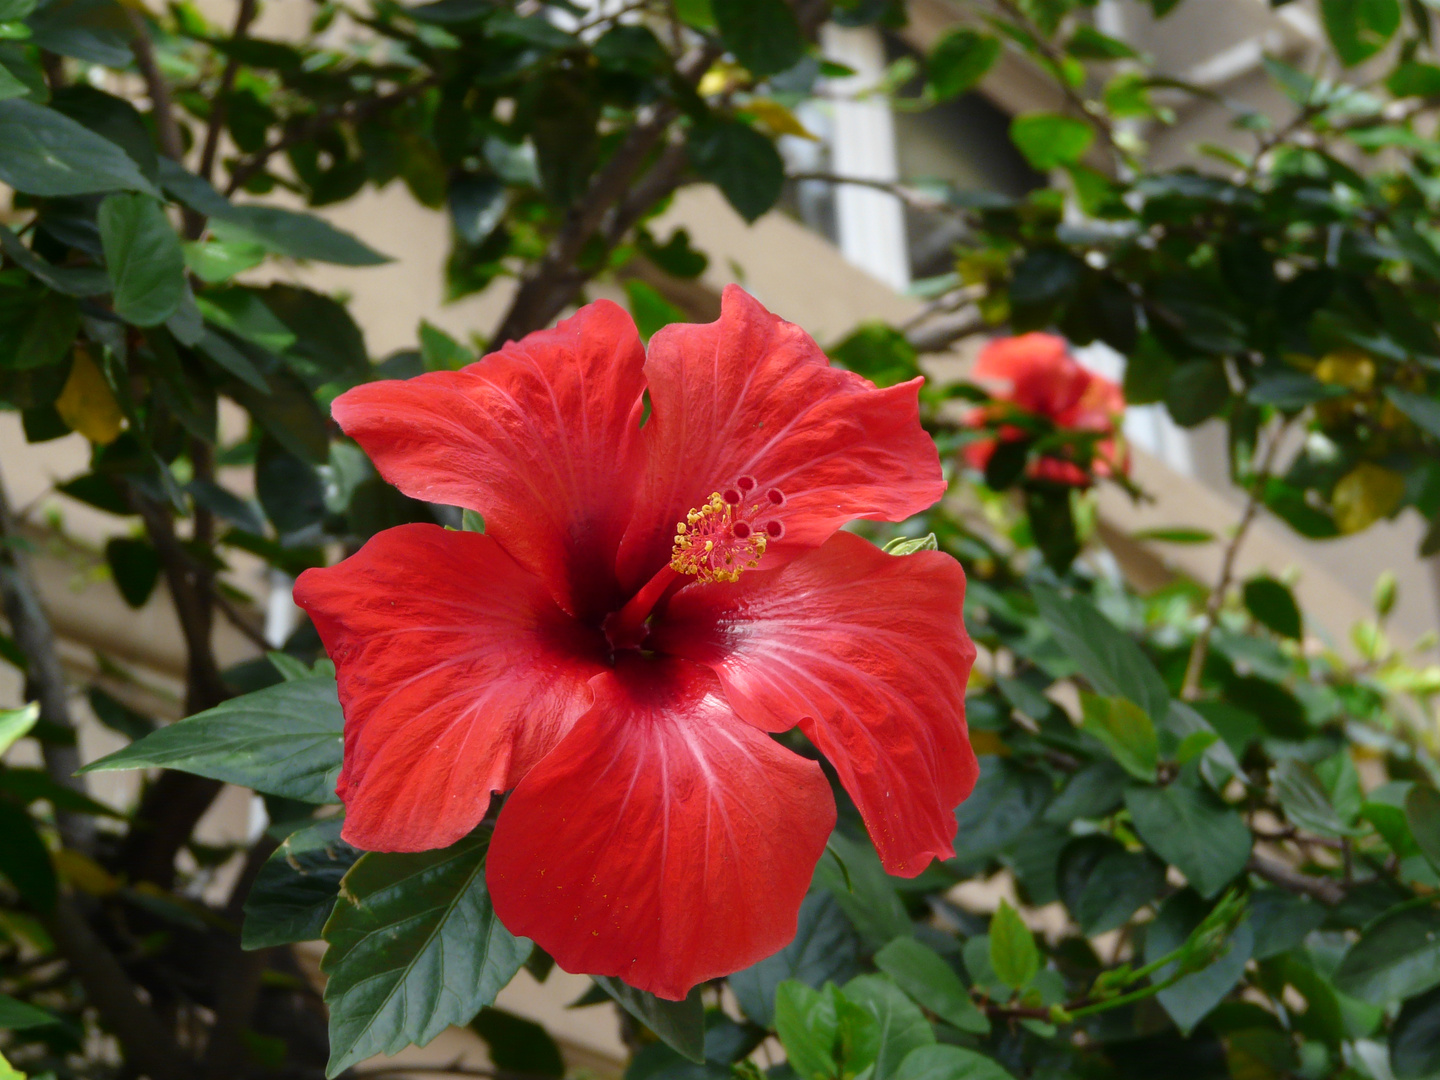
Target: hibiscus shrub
660	663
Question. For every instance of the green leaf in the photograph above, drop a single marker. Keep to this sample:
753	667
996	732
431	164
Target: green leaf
1125	730
283	232
1305	801
1194	996
70	280
680	1025
10	86
284	740
650	310
518	1045
294	892
1414	1040
866	894
1196	391
931	982
135	566
959	60
741	162
1103	885
899	1026
807	1022
949	1063
1422	409
8	1071
1397	957
215	261
1013	954
414	946
41	334
825	949
1414	79
16	1015
43	152
907	545
1358	29
762	34
15	724
1005	801
1273	606
1194	831
24	859
1107	657
1422	814
1049	140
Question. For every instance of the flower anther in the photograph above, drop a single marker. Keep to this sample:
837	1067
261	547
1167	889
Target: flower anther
728	533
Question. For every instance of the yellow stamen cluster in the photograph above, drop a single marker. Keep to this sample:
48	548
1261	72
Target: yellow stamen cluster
716	541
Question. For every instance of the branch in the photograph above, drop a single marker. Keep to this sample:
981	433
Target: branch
349	112
220	104
554	281
1200	650
1325	890
148	1045
162	107
44	674
917	200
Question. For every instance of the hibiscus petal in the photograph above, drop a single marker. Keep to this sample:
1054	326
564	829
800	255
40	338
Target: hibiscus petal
867	651
752	395
542	438
665	841
1044	378
457	673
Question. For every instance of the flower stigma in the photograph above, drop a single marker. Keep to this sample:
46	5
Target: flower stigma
728	533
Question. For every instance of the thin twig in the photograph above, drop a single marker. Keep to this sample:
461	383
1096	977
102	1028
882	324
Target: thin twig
1326	890
1200	650
909	196
303	132
220	103
44	672
167	130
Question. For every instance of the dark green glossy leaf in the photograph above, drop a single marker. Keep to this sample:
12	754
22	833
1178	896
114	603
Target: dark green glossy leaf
763	34
284	740
16	1015
518	1045
1125	730
295	890
1193	997
24	859
1107	657
43	152
1397	957
679	1024
899	1028
1192	829
741	162
1358	29
414	946
824	949
1103	884
1422	814
1005	801
930	981
949	1063
862	889
1414	1040
1273	606
1421	408
135	566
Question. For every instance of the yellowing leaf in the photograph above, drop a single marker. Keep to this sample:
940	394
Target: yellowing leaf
722	76
779	119
1349	368
84	873
87	405
1366	494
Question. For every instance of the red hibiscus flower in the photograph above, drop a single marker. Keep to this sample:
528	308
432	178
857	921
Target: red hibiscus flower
651	599
1040	377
